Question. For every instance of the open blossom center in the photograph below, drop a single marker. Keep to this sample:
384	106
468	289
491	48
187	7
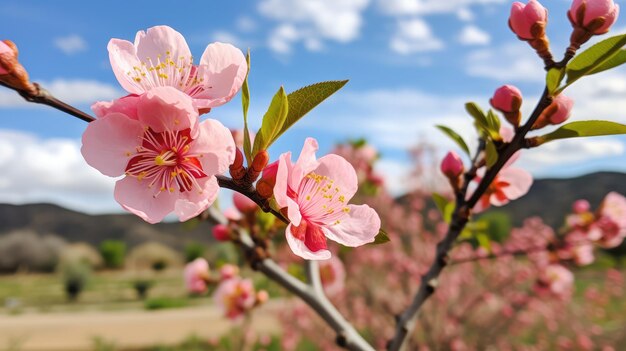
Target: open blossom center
165	70
164	161
320	200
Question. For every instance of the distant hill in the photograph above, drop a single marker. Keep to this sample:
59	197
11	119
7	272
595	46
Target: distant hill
551	199
75	226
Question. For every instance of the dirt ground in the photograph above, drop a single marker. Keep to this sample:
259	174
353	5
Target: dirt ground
126	329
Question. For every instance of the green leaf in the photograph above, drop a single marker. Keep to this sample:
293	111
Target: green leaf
381	238
245	102
594	57
494	122
491	154
444	206
554	78
583	129
478	114
273	121
305	99
455	137
614	61
483	241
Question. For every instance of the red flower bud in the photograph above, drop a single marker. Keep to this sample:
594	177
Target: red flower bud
528	21
452	165
595	16
507	98
221	232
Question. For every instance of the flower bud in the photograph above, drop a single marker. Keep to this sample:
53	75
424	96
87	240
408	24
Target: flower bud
265	185
258	164
5	50
452	165
528	21
508	100
262	297
12	72
243	203
221	232
556	113
595	16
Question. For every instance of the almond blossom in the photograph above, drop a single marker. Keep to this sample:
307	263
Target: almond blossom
314	195
196	275
511	183
161	57
235	296
168	158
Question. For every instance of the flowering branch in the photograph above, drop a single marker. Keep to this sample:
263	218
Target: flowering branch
311	293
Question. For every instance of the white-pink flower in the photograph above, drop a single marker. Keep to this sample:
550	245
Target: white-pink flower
168	158
333	276
557	279
235	297
510	184
314	194
161	57
196	275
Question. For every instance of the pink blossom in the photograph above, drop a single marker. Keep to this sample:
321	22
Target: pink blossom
5	50
583	254
228	271
510	184
235	297
243	203
581	206
196	275
614	207
557	279
333	275
160	57
238	137
170	159
603	12
314	195
452	165
232	214
507	98
524	17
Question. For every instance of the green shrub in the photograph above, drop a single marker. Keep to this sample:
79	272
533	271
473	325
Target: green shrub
159	303
113	252
194	250
75	275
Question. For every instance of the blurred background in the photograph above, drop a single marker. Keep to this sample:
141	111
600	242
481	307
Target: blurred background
76	273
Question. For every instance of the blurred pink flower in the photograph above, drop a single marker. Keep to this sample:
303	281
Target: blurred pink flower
524	17
581	206
557	279
333	275
169	159
510	184
196	275
603	12
315	194
238	137
232	214
221	232
228	271
243	203
160	57
235	297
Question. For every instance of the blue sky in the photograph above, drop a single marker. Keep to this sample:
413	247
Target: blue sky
411	64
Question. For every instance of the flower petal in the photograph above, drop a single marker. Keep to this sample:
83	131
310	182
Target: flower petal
126	105
193	202
216	144
282	179
110	141
167	109
359	227
223	68
519	182
136	197
299	248
305	164
123	58
341	172
158	41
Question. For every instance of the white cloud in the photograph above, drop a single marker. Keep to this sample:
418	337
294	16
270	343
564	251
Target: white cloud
231	38
571	151
464	14
472	35
414	35
246	24
71	44
72	91
51	170
508	63
313	22
424	7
